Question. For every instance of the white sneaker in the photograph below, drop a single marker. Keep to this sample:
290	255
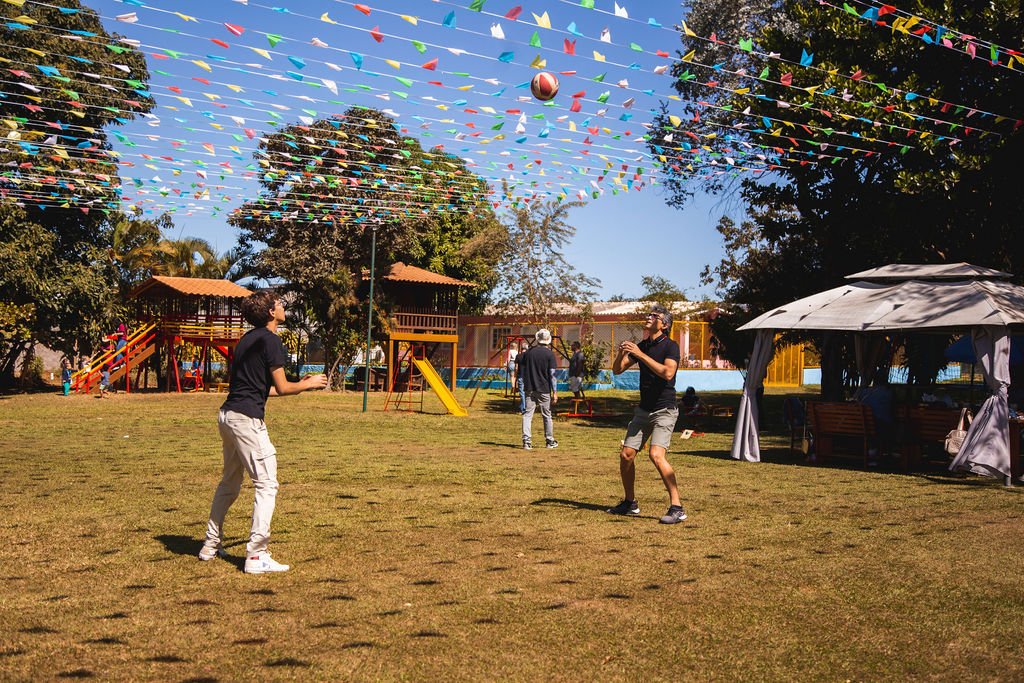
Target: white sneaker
263	563
208	553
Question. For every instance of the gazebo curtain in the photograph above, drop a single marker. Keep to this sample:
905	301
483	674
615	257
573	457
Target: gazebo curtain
745	443
986	449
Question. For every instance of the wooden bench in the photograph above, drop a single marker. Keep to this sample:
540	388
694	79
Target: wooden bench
849	421
724	412
928	427
713	411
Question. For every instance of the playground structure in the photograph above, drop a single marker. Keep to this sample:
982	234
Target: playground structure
414	373
423	326
177	315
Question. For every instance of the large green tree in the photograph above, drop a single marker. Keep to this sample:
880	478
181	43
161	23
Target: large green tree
59	180
887	148
327	187
536	279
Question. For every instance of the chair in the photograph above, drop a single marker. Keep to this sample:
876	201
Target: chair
928	429
194	379
796	419
849	422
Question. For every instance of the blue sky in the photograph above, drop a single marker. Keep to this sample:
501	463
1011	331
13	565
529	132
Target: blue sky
307	59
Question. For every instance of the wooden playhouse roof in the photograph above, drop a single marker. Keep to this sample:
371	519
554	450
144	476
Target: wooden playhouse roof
400	272
163	285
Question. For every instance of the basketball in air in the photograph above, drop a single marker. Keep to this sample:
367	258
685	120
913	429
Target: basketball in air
544	86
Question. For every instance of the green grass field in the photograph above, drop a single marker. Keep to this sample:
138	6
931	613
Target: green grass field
428	547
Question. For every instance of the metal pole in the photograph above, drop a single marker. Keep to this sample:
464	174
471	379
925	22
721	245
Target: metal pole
369	317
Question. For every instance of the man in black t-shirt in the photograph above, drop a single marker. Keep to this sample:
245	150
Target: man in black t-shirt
256	372
655	417
537	370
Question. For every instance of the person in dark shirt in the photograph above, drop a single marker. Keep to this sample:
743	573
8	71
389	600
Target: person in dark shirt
537	371
256	373
655	417
691	403
576	371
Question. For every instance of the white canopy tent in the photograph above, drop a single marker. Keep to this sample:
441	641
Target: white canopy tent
907	297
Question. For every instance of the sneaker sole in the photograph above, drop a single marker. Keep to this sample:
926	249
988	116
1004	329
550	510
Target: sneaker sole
631	513
265	571
674	520
219	554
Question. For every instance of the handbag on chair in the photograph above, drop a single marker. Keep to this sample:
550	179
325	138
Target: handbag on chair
955	438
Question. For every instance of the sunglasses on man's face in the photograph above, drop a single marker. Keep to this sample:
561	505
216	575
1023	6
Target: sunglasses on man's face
655	315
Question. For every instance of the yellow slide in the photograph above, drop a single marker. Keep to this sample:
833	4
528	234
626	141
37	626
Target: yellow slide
440	388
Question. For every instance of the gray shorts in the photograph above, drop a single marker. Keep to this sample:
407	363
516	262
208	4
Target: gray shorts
656	426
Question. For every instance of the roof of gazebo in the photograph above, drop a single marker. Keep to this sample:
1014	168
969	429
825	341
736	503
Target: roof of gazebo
190	286
930	302
401	272
929	271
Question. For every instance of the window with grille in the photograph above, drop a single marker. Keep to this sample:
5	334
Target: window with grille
498	335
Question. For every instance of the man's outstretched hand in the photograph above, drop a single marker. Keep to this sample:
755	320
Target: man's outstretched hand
314	382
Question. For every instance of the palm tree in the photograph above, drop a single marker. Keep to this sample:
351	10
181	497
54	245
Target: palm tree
234	264
136	249
186	257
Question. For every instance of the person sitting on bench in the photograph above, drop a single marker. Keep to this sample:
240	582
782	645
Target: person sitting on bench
690	403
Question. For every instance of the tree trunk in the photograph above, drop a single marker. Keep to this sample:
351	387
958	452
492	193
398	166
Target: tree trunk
832	367
331	373
9	363
27	380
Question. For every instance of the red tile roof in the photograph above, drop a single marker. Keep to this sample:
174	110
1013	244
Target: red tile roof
403	273
194	286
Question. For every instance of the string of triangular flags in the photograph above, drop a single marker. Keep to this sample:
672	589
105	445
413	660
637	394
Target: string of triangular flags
579	177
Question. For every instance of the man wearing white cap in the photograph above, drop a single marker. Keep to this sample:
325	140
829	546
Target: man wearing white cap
537	370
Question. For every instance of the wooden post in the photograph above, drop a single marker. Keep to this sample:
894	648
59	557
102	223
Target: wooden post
127	371
455	364
391	366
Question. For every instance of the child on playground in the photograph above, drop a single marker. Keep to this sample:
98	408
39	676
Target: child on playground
105	380
122	341
65	375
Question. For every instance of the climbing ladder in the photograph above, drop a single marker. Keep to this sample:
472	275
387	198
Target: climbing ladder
406	382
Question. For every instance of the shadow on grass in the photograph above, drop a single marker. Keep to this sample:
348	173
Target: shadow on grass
502	445
717	454
187	545
954	479
936	474
616	406
574	504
